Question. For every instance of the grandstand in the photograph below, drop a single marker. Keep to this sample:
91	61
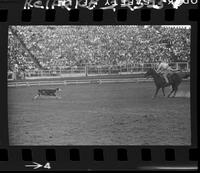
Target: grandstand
67	51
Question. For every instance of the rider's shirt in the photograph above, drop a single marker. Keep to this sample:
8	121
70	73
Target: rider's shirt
162	67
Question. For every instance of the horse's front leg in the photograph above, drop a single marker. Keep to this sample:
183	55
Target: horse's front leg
171	92
163	91
175	90
157	89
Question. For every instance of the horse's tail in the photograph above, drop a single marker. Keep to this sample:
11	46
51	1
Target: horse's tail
185	75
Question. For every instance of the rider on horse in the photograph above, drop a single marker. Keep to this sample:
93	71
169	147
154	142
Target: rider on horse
164	69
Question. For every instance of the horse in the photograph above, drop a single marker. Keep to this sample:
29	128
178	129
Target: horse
175	79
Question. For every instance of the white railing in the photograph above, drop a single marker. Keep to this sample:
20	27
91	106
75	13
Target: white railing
90	70
76	82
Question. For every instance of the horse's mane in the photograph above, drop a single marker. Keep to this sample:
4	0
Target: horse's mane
153	69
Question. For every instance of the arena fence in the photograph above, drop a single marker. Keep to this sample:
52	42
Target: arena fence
76	82
92	70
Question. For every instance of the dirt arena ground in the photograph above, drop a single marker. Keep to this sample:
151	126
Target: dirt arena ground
106	114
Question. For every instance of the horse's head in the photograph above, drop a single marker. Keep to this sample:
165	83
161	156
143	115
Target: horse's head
149	72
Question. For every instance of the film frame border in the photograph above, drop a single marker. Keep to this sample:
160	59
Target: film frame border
98	157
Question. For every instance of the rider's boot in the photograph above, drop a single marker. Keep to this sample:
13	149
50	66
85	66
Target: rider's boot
167	81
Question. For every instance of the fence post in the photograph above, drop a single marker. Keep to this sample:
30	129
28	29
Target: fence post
142	67
86	70
187	66
131	69
176	65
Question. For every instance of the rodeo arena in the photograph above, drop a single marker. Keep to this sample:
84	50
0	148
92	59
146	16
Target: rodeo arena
97	85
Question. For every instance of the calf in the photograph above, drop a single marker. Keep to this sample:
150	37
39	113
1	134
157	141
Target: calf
47	92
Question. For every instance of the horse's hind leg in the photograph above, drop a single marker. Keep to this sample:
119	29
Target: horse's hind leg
157	89
163	90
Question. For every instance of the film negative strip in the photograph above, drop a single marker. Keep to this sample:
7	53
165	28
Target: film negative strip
98	85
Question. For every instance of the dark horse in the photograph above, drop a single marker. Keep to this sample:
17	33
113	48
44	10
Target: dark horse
175	78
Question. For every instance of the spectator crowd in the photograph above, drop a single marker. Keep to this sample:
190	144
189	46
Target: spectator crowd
71	46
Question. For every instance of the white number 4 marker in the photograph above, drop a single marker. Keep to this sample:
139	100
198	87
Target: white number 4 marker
36	165
47	165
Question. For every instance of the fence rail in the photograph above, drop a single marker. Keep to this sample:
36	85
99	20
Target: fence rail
77	82
91	70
